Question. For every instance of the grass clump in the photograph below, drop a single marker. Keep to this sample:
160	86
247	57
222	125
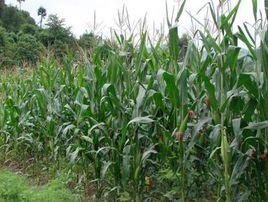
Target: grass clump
14	187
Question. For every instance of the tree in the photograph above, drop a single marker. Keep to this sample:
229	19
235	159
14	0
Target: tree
42	13
12	19
57	36
88	40
2	5
20	1
58	30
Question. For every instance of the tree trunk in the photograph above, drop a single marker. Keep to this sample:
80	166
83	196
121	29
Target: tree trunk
41	21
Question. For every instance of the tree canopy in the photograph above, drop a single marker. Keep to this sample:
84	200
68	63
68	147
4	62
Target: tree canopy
22	40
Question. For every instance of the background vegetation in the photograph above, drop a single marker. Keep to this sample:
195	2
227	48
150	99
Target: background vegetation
24	43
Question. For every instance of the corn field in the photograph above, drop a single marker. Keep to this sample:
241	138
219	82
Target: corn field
137	125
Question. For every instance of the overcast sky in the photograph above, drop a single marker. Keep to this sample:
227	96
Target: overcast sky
79	13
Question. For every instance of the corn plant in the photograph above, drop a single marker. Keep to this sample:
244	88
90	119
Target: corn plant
136	122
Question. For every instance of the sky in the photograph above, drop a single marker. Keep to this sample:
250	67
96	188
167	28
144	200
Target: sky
79	14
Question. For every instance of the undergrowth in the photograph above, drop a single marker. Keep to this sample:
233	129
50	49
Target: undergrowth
14	187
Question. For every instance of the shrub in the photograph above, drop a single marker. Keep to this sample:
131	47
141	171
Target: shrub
7	48
28	48
29	29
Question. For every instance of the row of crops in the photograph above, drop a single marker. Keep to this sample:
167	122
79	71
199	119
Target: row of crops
137	125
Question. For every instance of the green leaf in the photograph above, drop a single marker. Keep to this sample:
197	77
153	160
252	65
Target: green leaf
244	39
68	128
239	169
173	43
246	80
104	168
214	136
266	8
158	98
171	88
74	154
211	92
255	7
257	126
140	97
180	11
86	138
168	22
232	55
141	120
146	155
109	88
213	14
233	13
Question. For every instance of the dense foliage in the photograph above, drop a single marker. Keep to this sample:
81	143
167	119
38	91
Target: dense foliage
23	42
135	124
17	47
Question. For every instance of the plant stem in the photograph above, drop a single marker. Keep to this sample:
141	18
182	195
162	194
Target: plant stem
181	147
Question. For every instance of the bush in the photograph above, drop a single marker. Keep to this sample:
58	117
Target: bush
28	48
7	48
29	29
3	36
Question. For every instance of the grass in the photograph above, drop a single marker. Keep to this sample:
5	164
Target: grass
14	187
